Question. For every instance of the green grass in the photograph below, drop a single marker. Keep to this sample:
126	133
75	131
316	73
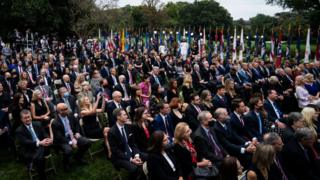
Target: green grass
98	168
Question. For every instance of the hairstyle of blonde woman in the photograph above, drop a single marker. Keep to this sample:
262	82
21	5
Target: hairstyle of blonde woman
187	81
80	78
82	103
299	81
35	95
273	80
84	83
308	113
204	94
228	87
180	132
308	78
263	156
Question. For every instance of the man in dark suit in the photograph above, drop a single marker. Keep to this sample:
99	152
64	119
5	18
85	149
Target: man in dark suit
67	136
131	74
33	143
275	115
68	99
112	79
237	119
8	84
298	155
220	100
163	122
155	77
67	83
277	169
27	93
124	152
295	121
192	111
123	88
112	105
230	141
205	140
254	120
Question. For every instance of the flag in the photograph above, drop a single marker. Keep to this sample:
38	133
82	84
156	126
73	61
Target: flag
241	46
248	50
221	44
203	44
272	46
127	41
216	37
234	48
263	46
298	47
122	41
256	44
279	50
228	46
308	49
318	46
288	44
189	40
110	43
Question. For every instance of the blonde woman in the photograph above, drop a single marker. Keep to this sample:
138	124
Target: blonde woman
88	112
311	118
187	88
77	84
39	109
261	161
310	85
302	95
86	91
206	100
185	152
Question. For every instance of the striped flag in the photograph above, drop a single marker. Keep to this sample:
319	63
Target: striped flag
308	49
221	44
279	50
298	47
288	44
234	47
272	47
256	44
241	46
228	46
263	47
122	41
216	37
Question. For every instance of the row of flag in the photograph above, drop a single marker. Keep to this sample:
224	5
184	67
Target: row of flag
215	44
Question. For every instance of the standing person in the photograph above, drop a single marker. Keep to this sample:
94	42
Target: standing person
34	142
161	163
261	162
145	87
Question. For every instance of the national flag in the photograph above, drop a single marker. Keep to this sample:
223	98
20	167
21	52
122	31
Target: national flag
308	49
221	44
288	44
298	47
228	46
234	47
216	37
248	49
272	46
256	44
318	46
263	46
279	50
122	41
241	46
127	41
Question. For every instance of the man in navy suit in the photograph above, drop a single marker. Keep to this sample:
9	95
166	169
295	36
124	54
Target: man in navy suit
237	118
163	122
275	115
220	100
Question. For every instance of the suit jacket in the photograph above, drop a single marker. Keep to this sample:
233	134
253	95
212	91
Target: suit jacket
110	107
105	73
275	172
191	113
47	90
7	84
219	103
72	101
153	81
117	144
297	163
252	125
63	84
59	131
140	137
158	124
184	158
272	116
133	76
160	169
230	141
29	94
238	128
203	146
111	81
118	87
29	147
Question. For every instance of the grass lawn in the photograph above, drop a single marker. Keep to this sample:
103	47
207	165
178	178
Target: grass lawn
99	168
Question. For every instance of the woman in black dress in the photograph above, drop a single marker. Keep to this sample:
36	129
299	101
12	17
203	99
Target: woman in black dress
176	112
39	109
206	101
91	126
173	90
15	108
136	100
141	128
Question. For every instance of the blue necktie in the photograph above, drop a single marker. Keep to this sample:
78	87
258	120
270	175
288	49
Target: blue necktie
33	134
127	148
260	123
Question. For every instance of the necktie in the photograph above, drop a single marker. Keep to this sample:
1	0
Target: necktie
68	86
124	90
124	138
278	112
67	128
33	134
284	177
67	103
130	77
157	80
45	95
197	108
217	150
241	120
260	123
166	124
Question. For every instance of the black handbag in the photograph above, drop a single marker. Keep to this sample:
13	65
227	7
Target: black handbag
205	172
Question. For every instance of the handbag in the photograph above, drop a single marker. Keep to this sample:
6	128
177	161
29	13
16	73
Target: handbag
205	172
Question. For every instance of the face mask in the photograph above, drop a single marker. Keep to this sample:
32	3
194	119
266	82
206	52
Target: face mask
211	123
66	94
41	83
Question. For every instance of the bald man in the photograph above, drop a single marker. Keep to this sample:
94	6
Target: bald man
67	136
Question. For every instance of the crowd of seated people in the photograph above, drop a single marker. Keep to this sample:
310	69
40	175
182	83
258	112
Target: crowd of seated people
162	117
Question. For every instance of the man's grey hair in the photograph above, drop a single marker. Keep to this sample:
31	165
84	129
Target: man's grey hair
218	112
304	134
202	116
270	138
294	117
25	111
